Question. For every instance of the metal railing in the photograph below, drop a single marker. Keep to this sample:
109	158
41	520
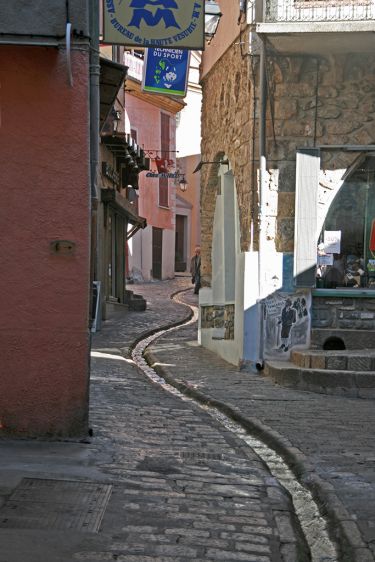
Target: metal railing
319	10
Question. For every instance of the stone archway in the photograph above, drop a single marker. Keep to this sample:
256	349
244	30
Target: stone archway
210	184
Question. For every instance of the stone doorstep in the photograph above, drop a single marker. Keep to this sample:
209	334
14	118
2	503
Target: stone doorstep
343	360
138	303
354	384
134	301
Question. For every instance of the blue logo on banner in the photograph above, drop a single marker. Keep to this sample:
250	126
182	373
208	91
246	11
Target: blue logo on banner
166	71
166	14
154	23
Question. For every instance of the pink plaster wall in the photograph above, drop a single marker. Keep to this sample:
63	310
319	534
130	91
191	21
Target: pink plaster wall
44	162
192	196
145	118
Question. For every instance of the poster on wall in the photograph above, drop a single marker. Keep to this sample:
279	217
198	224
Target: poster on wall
332	241
165	71
154	23
286	322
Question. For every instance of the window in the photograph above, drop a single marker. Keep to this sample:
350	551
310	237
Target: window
164	145
346	245
133	134
342	254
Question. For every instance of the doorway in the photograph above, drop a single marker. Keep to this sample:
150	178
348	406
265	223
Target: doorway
180	243
157	252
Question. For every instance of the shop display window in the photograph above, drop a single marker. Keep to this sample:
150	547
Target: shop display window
346	245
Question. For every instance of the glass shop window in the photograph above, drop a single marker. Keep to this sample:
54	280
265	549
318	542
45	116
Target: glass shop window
346	245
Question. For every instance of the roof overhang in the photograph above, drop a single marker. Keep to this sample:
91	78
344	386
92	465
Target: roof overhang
166	102
319	38
112	76
124	208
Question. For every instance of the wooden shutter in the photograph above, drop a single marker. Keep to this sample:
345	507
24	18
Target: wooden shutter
164	145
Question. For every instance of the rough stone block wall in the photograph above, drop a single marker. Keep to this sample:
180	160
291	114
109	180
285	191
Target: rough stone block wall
343	313
227	109
219	317
315	101
312	101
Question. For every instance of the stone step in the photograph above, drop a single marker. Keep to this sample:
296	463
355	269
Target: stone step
353	384
342	360
137	302
128	295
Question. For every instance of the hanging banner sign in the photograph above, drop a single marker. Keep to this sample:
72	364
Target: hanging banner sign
163	164
165	71
170	175
154	23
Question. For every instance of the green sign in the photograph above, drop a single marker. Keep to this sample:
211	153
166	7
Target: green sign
154	23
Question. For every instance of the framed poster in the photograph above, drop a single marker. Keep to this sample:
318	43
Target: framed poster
286	323
332	241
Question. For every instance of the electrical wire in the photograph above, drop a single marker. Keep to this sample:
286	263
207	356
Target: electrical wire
316	99
270	96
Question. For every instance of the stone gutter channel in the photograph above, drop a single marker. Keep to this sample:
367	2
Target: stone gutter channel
306	489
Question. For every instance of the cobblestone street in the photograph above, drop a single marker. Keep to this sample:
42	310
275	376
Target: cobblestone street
329	440
183	488
180	486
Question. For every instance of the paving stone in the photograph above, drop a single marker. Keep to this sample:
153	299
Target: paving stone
214	554
139	433
320	427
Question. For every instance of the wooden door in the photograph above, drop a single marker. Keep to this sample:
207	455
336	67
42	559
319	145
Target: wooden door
180	252
157	252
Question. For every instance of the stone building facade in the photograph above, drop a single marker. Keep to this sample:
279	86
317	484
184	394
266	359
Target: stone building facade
320	104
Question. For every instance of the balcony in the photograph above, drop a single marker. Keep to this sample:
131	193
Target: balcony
318	11
318	26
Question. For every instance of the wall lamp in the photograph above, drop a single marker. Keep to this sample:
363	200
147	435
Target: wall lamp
202	163
212	17
116	118
183	184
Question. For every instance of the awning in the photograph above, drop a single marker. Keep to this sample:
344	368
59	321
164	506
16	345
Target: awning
124	208
112	76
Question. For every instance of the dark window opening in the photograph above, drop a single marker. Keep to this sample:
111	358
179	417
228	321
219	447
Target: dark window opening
333	343
165	147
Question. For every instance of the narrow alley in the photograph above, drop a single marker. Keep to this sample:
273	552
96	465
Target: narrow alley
161	480
187	350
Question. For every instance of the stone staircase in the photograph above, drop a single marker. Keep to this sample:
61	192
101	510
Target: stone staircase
134	301
348	372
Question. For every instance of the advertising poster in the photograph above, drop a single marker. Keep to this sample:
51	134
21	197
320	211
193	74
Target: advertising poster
165	71
286	322
154	23
332	241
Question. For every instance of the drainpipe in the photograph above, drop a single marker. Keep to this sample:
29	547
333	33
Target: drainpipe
262	196
94	139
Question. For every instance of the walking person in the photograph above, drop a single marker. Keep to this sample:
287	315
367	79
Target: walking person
195	270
